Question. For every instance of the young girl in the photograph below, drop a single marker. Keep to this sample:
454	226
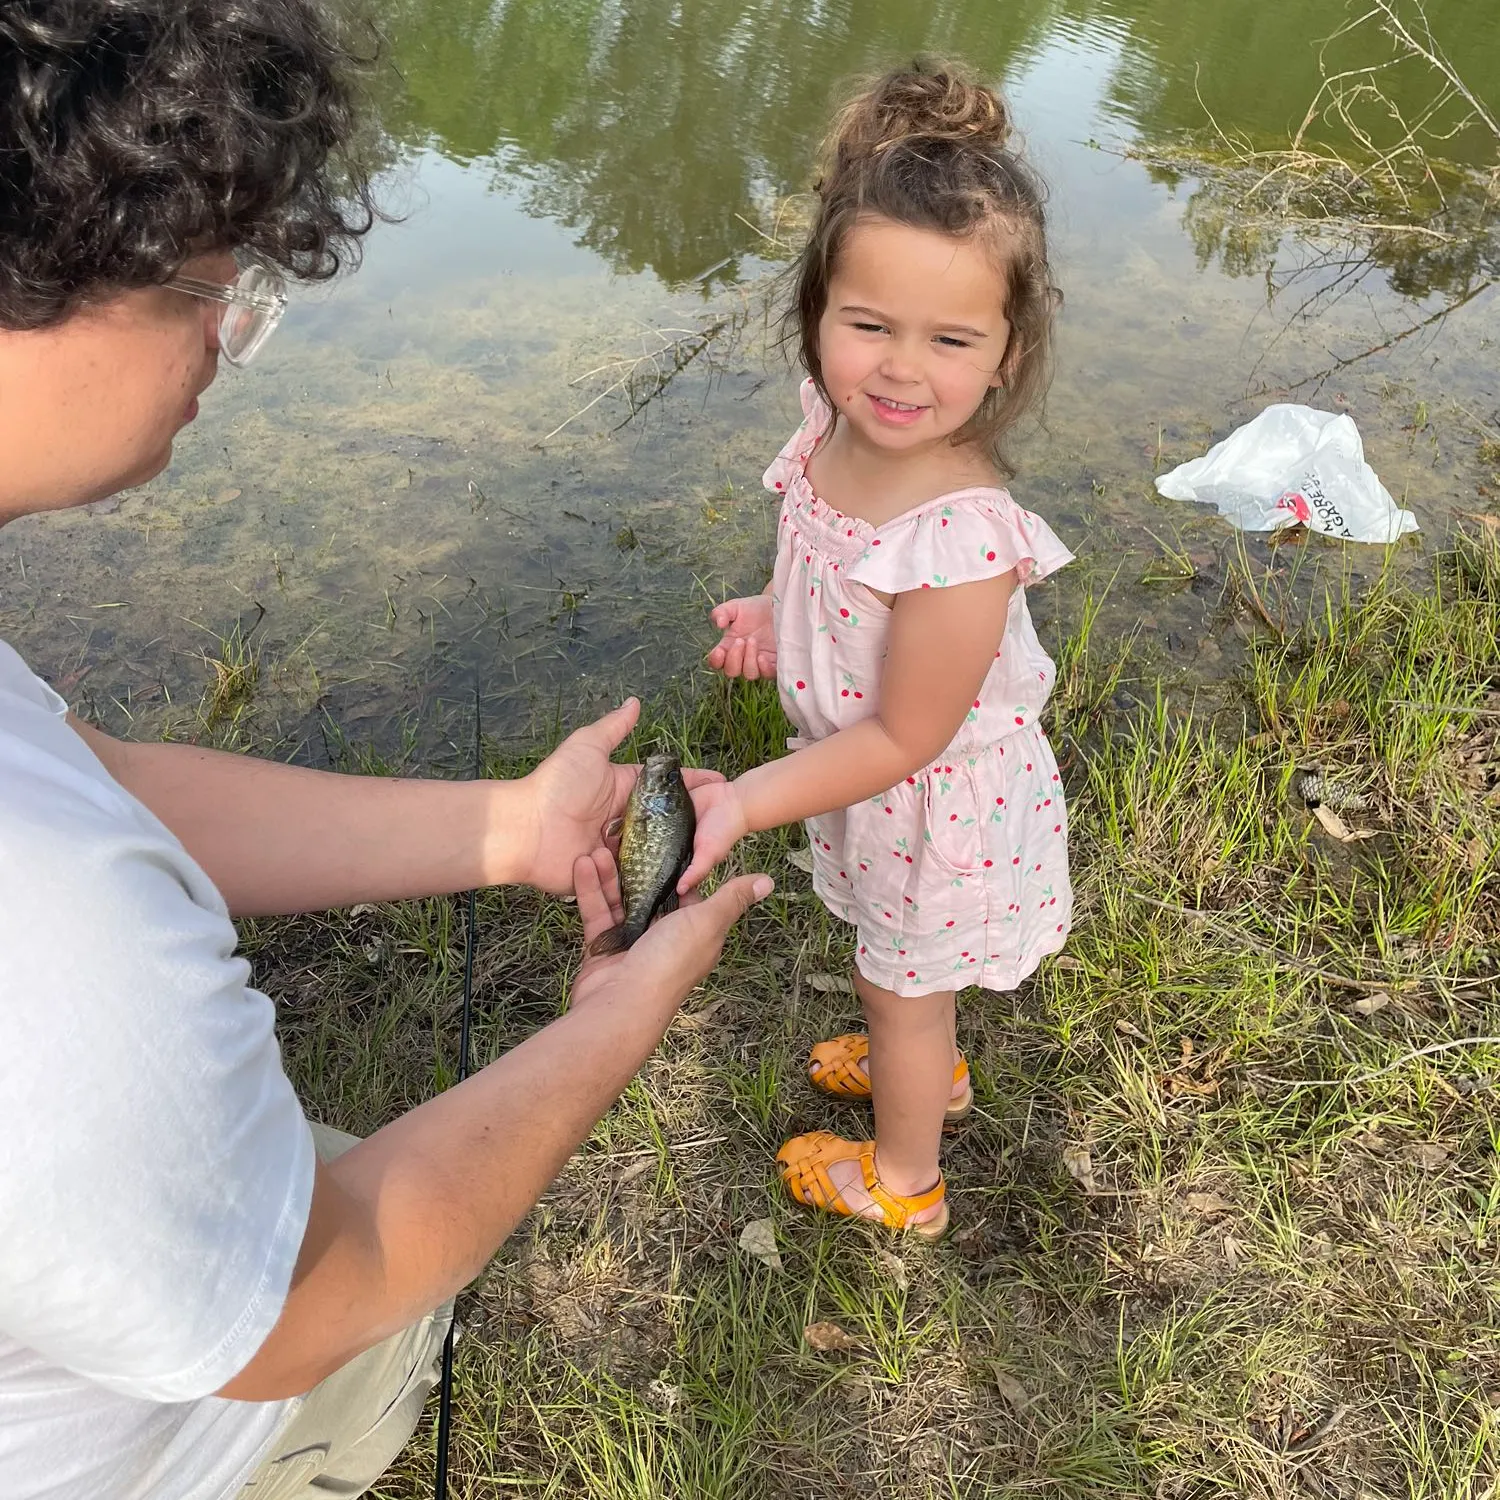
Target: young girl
896	623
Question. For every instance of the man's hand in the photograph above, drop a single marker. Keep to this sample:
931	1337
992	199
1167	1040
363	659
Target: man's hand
574	796
675	952
748	646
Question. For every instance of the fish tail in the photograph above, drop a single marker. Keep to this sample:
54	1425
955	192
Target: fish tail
616	940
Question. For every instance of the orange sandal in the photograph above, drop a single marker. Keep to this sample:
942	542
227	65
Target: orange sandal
804	1162
834	1067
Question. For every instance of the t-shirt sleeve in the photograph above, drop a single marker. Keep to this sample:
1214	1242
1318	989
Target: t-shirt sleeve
960	541
155	1166
794	453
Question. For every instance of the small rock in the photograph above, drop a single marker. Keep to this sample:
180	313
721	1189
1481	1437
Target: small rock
1015	1394
895	1267
663	1395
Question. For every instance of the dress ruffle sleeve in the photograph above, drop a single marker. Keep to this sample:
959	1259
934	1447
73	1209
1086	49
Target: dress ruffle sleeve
959	538
794	454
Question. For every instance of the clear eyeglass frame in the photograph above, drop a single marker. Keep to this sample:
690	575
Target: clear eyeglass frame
253	304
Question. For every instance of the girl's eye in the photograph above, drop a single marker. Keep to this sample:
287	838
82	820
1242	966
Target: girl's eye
870	327
952	343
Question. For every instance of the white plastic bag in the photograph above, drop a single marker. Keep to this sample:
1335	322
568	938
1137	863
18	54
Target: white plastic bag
1291	464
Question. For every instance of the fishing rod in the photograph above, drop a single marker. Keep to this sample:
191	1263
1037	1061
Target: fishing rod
445	1388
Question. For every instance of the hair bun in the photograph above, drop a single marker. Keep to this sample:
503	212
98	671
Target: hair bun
921	103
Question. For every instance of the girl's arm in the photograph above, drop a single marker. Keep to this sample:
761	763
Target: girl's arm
942	644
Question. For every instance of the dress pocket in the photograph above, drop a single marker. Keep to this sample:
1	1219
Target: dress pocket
953	838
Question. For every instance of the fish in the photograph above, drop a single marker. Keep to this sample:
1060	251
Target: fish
656	846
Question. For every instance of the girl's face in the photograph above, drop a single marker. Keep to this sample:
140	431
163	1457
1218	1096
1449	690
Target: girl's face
914	333
91	405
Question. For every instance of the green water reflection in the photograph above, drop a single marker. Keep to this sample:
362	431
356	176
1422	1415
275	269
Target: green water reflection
649	127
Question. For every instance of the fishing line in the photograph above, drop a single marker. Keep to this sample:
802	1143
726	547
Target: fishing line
445	1390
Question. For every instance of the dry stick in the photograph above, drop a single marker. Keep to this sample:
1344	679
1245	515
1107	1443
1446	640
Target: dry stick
1397	28
1340	981
1321	1431
1400	1062
706	335
1446	708
1406	333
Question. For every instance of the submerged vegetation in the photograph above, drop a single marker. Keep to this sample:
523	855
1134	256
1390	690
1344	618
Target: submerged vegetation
1366	187
1225	1218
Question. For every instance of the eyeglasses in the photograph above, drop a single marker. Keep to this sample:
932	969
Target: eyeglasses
254	302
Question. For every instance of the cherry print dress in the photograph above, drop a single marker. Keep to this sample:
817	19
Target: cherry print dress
959	875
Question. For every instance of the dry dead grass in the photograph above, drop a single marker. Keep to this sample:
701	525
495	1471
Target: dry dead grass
1182	1267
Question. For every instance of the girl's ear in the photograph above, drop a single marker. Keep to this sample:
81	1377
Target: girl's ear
1007	368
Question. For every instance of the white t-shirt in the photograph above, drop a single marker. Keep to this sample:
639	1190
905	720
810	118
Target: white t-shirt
155	1166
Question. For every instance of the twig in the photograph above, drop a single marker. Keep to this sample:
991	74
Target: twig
1446	708
1260	608
1339	981
597	399
770	238
1321	1431
1397	28
704	337
1400	1062
1406	333
693	1145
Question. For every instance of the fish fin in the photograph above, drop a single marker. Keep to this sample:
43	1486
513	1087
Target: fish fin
613	941
668	902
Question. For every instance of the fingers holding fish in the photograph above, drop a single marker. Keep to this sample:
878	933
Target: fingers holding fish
593	874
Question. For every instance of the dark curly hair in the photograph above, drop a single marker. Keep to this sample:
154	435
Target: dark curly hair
928	147
136	133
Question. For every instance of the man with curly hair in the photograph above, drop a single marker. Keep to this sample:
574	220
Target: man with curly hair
201	1295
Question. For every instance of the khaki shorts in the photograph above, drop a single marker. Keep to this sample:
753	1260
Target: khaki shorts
353	1424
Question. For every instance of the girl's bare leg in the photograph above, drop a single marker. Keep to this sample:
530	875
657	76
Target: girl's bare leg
911	1079
956	1090
911	1075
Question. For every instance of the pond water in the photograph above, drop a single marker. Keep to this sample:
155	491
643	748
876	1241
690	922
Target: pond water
522	446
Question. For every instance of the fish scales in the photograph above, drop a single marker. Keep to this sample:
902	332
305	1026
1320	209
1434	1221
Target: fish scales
656	846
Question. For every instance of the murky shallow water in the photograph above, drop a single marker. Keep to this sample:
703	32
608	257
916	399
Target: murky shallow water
386	497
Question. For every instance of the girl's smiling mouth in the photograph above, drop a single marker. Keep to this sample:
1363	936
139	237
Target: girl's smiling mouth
897	413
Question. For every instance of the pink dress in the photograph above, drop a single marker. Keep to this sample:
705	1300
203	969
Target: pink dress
959	875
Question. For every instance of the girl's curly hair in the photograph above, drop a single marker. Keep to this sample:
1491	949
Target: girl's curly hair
927	147
136	133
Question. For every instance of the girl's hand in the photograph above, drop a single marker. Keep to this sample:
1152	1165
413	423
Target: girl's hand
748	646
721	825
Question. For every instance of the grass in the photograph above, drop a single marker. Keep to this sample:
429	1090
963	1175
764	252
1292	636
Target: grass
1182	1267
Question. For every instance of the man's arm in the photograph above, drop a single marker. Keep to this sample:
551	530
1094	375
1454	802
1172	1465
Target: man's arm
404	1219
276	838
